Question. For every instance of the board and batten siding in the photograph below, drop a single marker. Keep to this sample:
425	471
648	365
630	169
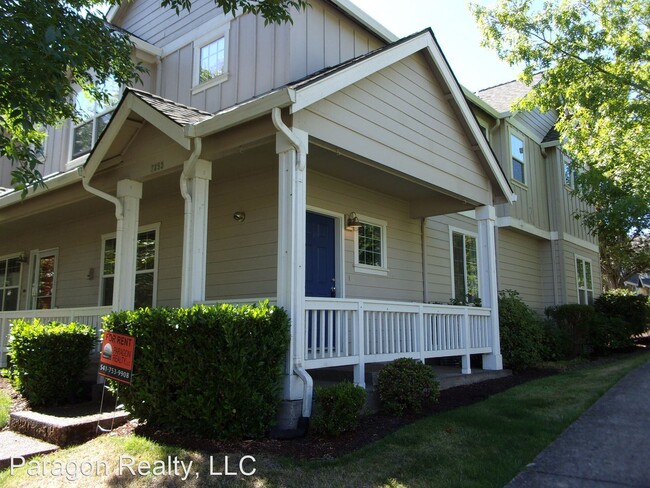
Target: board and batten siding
399	118
538	122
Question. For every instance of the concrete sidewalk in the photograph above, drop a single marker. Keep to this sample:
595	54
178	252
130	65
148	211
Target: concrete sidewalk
608	446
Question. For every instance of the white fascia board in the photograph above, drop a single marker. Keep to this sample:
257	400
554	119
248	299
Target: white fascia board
455	89
483	105
146	46
519	224
546	145
345	77
160	121
52	183
242	113
366	20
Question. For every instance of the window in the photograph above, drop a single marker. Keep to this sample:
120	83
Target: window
569	173
95	118
518	158
585	281
211	59
9	283
370	247
43	278
465	266
145	274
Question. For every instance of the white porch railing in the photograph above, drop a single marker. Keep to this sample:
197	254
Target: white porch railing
352	332
89	315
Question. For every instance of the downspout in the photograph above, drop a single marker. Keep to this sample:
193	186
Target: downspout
298	369
188	168
425	261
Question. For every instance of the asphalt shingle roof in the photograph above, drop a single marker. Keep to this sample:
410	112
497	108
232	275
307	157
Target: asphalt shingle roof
177	112
502	96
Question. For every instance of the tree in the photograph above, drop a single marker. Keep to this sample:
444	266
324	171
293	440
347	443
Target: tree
622	257
50	46
594	60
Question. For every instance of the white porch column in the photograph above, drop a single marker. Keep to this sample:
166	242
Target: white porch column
292	208
129	193
195	233
486	217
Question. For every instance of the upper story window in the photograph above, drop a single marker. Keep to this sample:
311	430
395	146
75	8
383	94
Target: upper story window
465	266
585	281
370	247
95	118
211	59
569	173
518	159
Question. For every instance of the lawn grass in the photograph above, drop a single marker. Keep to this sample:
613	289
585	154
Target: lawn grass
5	404
483	445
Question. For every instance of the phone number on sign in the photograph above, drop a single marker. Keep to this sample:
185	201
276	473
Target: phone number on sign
109	370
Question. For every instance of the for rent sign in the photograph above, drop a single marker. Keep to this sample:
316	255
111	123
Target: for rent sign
116	357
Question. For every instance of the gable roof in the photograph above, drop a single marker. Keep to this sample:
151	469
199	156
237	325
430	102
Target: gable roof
502	96
181	114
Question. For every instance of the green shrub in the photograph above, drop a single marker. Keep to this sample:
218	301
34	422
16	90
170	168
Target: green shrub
337	408
48	361
405	384
213	371
633	310
578	323
522	332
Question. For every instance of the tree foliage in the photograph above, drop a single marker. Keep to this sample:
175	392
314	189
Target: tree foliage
594	58
48	47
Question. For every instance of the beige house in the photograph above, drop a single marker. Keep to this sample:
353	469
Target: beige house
324	165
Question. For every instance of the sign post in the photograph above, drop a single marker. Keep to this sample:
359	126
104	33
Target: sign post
116	357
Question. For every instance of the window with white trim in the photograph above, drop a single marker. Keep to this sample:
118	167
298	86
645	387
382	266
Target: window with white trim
464	266
370	246
95	118
146	268
569	173
518	159
585	281
210	59
10	271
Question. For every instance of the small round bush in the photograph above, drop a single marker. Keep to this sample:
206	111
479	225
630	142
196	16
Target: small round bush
521	330
405	384
337	408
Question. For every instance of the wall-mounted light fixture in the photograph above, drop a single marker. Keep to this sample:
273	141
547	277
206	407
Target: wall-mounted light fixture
352	221
239	216
22	258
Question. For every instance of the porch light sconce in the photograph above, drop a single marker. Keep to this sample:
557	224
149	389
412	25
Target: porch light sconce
239	216
352	222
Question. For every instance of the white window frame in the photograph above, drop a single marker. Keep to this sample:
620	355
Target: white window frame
464	232
201	42
566	163
144	228
77	160
367	268
584	290
521	159
7	257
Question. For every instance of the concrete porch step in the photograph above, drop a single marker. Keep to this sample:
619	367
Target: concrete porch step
13	444
61	430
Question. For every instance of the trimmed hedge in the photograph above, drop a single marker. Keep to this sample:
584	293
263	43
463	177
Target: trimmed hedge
405	384
337	408
632	309
48	361
522	332
213	371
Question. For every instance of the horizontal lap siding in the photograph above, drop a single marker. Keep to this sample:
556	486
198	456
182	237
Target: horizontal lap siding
570	252
242	257
404	256
520	267
410	129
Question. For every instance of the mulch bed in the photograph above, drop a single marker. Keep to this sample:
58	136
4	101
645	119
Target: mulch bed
371	427
18	403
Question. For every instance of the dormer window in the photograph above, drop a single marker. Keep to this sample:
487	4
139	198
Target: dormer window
95	118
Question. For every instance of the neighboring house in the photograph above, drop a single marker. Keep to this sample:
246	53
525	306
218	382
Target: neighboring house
322	164
544	252
638	283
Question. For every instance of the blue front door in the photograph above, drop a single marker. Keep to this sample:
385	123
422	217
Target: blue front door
320	260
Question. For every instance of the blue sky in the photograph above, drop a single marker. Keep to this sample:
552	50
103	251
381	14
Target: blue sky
456	32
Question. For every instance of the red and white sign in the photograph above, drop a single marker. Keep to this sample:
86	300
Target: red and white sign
116	356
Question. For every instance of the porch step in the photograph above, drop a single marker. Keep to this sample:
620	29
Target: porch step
64	430
13	444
